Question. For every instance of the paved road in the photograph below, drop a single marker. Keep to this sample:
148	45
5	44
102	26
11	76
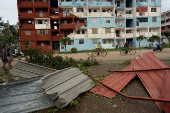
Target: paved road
115	55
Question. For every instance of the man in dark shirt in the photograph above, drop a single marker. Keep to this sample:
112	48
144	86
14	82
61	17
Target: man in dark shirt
126	46
9	55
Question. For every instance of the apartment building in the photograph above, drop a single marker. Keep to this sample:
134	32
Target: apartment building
165	21
88	22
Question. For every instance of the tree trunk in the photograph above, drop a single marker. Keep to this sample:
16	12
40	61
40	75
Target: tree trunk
139	45
65	48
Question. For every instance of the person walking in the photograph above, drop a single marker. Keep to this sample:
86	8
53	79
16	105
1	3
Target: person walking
4	57
9	55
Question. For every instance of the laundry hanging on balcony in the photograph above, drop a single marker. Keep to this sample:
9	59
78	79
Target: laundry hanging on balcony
142	9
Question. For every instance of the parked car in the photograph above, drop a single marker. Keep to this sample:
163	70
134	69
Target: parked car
16	53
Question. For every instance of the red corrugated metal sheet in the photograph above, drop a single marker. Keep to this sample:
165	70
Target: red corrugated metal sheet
116	81
156	82
166	92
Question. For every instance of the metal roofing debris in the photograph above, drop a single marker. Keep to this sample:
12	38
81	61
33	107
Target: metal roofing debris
29	70
23	96
116	81
65	85
156	82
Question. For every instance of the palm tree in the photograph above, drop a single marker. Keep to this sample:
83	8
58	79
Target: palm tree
64	41
140	38
26	43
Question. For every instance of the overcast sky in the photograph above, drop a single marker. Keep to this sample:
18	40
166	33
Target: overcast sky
8	9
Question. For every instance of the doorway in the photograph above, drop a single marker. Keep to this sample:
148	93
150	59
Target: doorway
118	3
117	33
55	45
130	41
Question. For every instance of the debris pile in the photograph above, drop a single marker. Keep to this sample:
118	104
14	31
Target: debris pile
156	82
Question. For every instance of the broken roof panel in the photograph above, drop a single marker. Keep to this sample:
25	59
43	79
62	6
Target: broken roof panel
165	93
23	96
156	82
29	70
65	85
116	81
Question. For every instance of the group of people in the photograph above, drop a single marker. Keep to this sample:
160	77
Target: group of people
6	56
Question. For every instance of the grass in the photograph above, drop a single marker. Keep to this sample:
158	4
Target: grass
89	51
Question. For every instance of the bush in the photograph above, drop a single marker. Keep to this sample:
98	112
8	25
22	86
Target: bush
46	59
74	50
165	45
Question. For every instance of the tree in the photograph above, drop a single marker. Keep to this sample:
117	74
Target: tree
140	38
26	43
154	38
167	34
64	41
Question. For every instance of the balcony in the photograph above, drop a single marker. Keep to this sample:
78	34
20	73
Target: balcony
141	14
67	26
77	36
40	4
46	15
26	15
142	4
152	33
129	35
28	26
55	38
25	4
43	37
121	25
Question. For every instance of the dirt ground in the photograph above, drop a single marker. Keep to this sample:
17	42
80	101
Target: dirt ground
115	55
91	103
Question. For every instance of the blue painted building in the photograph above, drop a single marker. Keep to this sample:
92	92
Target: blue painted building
113	22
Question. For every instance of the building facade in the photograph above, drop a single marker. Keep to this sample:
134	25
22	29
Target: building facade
165	24
87	22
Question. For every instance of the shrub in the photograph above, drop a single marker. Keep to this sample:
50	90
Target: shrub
74	50
46	59
165	45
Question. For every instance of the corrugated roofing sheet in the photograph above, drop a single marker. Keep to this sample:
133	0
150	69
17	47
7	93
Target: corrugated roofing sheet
23	96
116	81
29	70
156	82
65	85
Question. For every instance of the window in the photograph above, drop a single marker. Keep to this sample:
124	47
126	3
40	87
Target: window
71	42
108	30
103	11
29	11
47	43
94	10
80	10
39	0
39	21
94	31
153	0
89	10
95	41
29	22
78	21
81	41
107	41
94	20
23	0
27	32
138	30
83	32
42	32
107	20
153	9
42	43
24	11
78	32
153	19
128	12
150	30
29	0
129	31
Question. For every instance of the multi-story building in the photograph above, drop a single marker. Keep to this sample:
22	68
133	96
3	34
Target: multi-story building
88	22
165	21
